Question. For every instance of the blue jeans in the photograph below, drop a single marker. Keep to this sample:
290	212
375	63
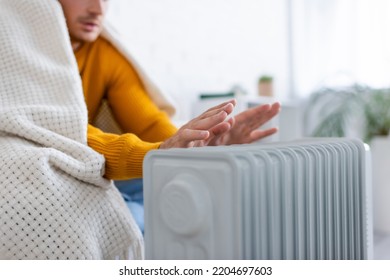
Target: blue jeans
132	193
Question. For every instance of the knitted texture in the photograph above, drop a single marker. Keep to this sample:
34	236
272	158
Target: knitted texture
105	119
54	202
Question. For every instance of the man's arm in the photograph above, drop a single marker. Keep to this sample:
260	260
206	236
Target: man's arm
131	105
124	153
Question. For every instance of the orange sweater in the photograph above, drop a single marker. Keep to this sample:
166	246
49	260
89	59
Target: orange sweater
105	73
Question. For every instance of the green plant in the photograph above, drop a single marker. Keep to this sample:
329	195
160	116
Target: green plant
335	110
265	79
377	113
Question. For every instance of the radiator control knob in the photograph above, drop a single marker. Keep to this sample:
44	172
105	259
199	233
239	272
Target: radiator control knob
184	204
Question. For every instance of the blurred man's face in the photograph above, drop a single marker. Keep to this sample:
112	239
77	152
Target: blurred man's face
84	19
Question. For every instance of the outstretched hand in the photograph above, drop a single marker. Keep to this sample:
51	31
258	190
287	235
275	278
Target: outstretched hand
213	128
201	130
246	126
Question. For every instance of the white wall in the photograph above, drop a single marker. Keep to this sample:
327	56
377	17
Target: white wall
338	43
193	46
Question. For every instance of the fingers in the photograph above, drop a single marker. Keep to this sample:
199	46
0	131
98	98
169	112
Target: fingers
188	135
212	117
273	111
259	134
231	121
266	109
212	127
184	138
202	129
219	106
207	123
220	129
227	107
257	116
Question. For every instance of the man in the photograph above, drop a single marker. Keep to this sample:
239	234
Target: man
107	74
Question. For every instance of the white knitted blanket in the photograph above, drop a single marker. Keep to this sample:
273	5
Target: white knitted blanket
54	202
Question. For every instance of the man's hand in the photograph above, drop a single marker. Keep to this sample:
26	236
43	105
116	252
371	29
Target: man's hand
245	126
203	129
211	128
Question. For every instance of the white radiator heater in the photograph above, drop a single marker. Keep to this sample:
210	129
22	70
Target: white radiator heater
307	199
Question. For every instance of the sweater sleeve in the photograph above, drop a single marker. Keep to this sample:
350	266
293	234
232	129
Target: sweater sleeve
124	153
132	107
